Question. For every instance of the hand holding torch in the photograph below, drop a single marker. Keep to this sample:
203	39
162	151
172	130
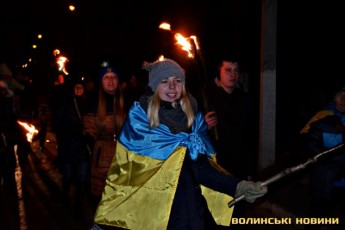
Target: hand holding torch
288	171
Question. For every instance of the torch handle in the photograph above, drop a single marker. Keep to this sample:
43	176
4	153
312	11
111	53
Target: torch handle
215	132
234	201
290	170
237	199
271	180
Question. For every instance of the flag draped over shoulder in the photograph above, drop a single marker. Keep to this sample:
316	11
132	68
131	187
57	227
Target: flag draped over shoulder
144	174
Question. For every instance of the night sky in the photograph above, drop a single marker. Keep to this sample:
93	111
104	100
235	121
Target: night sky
125	33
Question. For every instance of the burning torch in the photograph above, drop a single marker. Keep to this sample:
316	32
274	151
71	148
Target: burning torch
192	47
31	130
61	62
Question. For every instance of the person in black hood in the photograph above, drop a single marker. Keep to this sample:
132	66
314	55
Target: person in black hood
73	155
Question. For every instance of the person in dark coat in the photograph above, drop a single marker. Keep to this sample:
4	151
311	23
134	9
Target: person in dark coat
164	172
325	130
103	121
233	117
73	154
57	97
231	123
9	134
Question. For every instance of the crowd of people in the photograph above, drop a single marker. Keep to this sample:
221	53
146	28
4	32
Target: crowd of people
152	155
165	157
12	89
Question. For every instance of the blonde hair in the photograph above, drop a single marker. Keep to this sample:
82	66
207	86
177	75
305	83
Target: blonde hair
154	105
118	107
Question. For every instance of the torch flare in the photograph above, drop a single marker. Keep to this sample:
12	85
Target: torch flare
192	47
61	61
31	130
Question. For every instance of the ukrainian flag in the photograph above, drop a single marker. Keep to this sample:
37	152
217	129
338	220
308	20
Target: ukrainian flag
144	174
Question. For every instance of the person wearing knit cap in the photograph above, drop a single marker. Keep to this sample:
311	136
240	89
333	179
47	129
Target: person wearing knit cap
164	167
107	69
159	70
102	122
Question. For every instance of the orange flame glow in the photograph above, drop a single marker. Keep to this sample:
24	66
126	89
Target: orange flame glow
165	26
31	130
61	61
56	52
185	44
161	58
196	42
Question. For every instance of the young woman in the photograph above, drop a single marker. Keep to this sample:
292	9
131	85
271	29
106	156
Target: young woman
103	123
164	163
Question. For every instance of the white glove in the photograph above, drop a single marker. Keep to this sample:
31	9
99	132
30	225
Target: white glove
251	190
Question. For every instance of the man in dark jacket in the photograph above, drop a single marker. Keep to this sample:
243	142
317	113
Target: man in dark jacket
232	116
231	120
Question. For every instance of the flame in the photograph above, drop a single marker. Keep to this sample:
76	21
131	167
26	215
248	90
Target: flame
61	61
56	52
185	44
165	26
196	42
161	58
31	130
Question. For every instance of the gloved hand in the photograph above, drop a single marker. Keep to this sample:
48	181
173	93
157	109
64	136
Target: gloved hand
251	190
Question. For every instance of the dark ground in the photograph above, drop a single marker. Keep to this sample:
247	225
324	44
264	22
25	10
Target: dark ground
32	198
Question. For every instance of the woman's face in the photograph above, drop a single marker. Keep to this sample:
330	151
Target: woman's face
170	89
110	82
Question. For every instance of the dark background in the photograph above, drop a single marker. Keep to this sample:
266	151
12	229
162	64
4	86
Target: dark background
125	33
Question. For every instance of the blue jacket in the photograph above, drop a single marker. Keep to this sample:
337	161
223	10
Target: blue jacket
325	130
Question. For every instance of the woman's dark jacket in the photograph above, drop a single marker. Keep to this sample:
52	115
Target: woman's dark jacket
189	209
